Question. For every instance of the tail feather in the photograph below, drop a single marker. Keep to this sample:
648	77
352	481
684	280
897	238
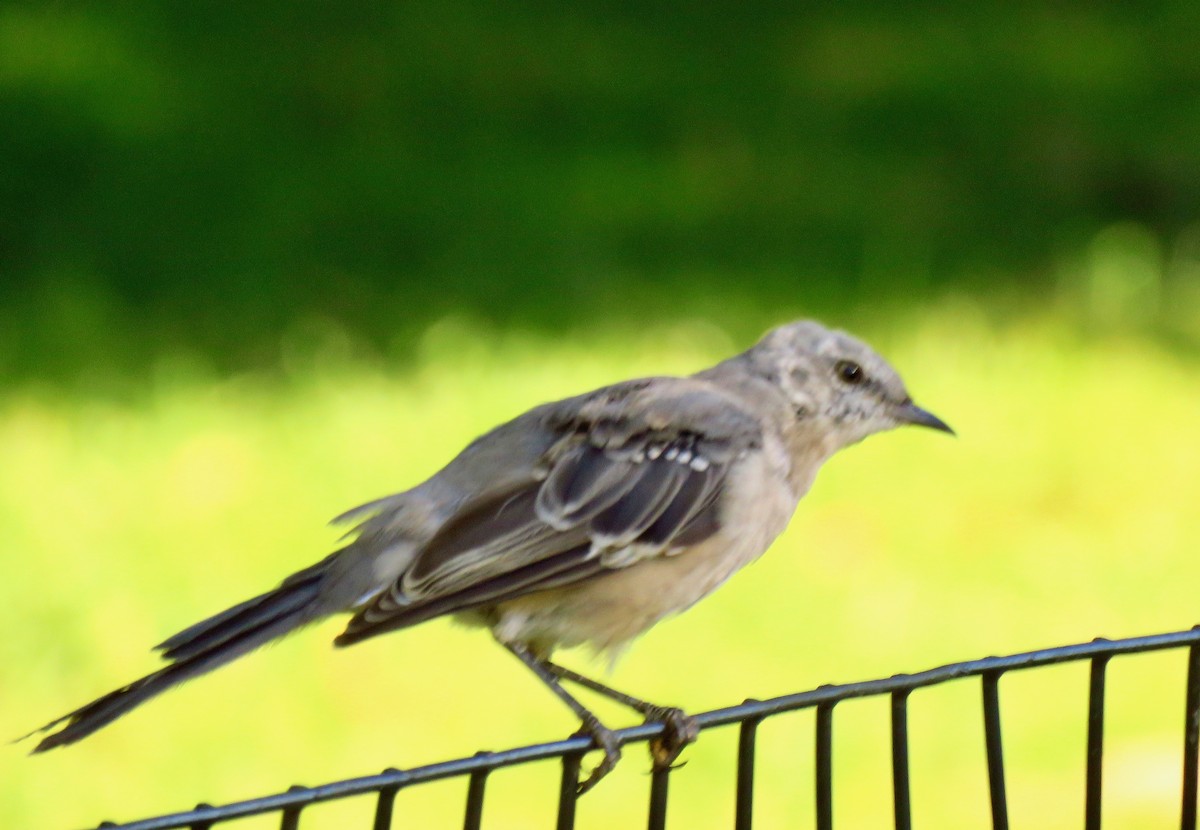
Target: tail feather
197	650
189	634
231	621
253	615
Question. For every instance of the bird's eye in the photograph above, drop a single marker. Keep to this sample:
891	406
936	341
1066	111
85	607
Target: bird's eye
849	372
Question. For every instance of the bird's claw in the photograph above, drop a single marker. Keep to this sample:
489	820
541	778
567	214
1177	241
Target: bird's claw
679	730
605	740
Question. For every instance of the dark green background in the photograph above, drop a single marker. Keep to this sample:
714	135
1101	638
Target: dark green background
199	176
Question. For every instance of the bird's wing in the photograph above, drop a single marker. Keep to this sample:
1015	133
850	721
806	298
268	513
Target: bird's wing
635	471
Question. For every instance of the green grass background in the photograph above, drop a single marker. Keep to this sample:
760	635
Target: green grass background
1066	510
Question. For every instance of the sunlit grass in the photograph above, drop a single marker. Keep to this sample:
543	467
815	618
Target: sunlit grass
1066	510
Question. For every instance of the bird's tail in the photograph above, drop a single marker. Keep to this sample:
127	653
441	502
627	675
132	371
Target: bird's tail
199	649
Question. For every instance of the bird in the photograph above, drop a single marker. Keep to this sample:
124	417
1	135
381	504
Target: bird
582	522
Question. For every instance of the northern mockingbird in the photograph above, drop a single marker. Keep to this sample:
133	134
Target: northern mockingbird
581	522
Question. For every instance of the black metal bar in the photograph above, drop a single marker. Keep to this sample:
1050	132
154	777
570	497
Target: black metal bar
568	791
899	685
290	820
200	825
290	816
384	806
659	781
1095	745
473	816
997	790
824	765
744	806
900	783
1191	739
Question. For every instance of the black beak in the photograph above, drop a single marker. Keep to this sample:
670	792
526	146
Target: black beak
909	413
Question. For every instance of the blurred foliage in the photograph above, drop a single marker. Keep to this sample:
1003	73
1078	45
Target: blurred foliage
197	178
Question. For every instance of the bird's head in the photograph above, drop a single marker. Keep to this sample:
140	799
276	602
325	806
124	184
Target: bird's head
838	383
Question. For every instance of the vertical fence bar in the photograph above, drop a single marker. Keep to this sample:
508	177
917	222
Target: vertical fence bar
825	766
1095	745
384	805
659	779
568	791
900	782
290	816
744	813
473	816
1191	740
290	819
997	790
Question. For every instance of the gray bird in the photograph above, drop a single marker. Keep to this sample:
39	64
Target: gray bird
581	522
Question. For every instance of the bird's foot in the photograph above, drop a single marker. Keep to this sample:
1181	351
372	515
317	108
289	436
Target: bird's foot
679	730
606	740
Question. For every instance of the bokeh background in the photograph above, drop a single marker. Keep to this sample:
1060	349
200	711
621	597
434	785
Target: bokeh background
260	264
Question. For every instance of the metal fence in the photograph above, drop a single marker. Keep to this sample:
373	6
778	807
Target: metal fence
385	786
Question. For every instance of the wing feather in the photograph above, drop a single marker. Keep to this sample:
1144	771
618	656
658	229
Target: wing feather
692	508
504	531
585	481
567	566
623	522
611	491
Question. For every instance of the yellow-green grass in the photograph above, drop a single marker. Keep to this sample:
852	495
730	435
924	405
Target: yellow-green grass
1067	509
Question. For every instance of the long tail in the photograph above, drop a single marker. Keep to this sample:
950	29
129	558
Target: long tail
199	649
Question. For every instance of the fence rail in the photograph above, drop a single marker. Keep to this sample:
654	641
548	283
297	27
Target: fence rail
748	715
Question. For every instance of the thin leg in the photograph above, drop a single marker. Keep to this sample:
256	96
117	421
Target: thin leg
679	729
604	737
637	704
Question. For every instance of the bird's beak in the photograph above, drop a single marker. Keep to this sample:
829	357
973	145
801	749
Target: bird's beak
909	413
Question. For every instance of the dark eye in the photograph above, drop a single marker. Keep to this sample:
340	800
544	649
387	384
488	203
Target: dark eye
849	372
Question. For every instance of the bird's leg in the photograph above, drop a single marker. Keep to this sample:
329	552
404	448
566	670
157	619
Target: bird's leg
679	729
604	737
